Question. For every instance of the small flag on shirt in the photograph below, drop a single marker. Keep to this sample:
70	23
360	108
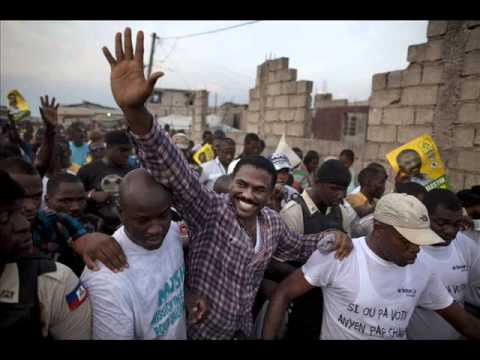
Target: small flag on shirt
77	297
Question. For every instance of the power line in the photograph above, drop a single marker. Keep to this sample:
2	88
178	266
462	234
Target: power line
211	31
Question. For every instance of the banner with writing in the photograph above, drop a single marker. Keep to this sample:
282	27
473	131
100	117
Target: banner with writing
419	161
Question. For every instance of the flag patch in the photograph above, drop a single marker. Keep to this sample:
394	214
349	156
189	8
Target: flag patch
77	297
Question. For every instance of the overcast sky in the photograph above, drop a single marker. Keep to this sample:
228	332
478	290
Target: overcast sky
64	58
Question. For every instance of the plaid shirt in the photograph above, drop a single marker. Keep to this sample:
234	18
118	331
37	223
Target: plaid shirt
222	263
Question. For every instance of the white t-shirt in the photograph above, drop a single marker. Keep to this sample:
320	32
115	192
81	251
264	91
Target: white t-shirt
368	298
212	170
458	266
145	301
232	165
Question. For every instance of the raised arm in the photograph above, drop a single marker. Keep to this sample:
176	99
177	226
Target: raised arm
155	150
46	155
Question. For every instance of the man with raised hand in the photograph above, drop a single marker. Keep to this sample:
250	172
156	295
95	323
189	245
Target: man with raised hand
232	236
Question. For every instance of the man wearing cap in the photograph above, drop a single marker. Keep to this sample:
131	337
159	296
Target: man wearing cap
373	293
102	178
213	169
283	193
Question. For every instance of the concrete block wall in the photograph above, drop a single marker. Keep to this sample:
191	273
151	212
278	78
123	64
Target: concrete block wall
279	103
437	94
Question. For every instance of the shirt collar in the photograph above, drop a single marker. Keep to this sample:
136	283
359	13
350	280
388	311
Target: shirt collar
312	208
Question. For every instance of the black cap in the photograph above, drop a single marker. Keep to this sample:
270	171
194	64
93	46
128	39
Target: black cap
333	172
117	137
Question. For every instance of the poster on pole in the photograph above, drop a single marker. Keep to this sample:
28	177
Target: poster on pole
204	154
419	161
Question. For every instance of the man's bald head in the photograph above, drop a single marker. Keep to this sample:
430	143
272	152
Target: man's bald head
139	186
145	209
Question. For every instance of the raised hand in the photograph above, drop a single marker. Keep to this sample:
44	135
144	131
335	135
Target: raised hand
129	86
49	112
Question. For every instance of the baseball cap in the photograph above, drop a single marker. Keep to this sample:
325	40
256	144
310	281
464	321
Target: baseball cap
280	161
181	140
408	216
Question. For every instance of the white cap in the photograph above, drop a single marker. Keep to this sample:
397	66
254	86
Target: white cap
408	216
280	161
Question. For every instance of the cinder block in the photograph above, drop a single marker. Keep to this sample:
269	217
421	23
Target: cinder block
472	63
420	95
271	140
456	179
470	89
416	53
304	87
254	94
278	64
287	114
384	133
471	180
407	133
468	160
272	115
394	79
432	74
254	105
379	82
375	116
469	113
423	116
371	151
278	128
273	77
270	102
289	88
383	98
296	129
398	116
412	75
299	101
434	50
274	89
286	75
477	137
463	136
253	128
473	42
301	115
281	102
384	149
436	28
253	117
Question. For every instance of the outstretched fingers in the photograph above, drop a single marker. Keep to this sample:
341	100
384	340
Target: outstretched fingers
111	60
139	47
53	102
128	44
118	47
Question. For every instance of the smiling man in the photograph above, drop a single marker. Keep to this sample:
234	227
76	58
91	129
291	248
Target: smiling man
232	236
374	292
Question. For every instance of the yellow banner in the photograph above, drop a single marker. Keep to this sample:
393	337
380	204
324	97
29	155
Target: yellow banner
420	160
17	105
204	154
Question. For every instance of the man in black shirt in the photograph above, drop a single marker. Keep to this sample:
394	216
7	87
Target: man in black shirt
102	178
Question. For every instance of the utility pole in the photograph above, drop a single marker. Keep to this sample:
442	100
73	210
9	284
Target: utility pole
215	103
152	50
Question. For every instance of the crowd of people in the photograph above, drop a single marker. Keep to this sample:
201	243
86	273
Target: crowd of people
123	235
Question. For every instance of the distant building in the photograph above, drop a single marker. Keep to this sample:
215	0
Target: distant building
233	115
339	120
90	114
165	102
